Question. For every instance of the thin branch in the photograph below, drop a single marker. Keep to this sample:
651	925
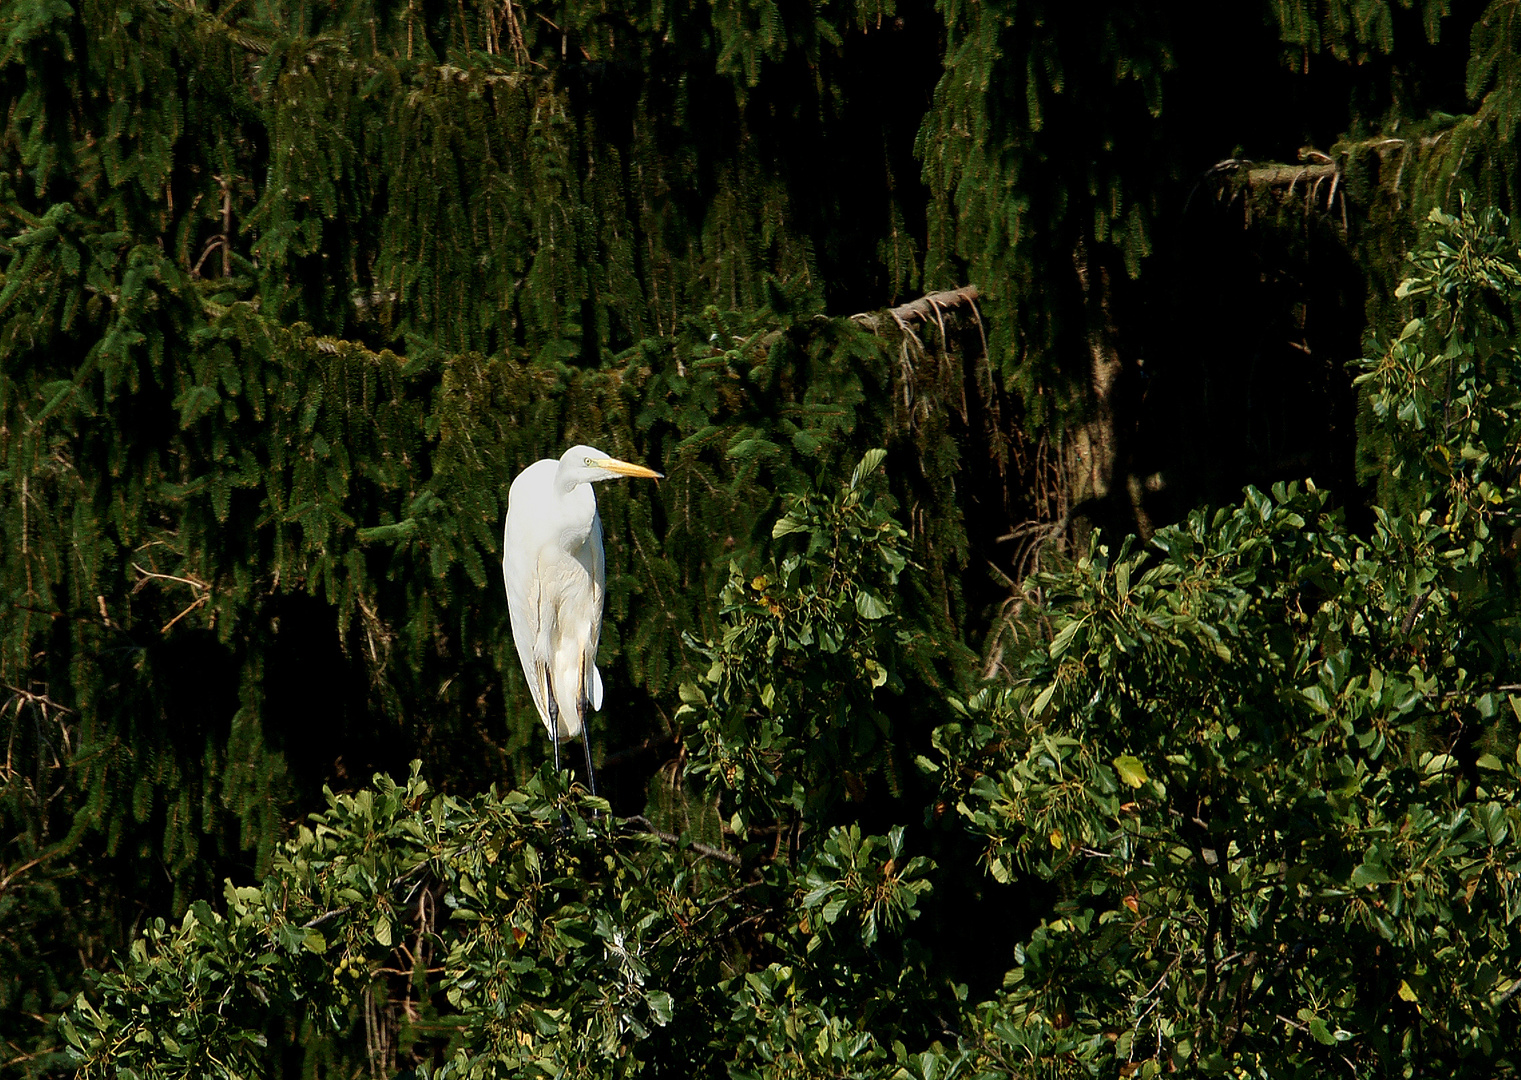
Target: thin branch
24	867
194	583
29	698
1408	623
194	604
326	916
346	908
645	825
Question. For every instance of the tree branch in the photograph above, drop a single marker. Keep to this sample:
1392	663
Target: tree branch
927	307
1287	175
645	825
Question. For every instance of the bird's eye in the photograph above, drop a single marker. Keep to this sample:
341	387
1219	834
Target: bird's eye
588	462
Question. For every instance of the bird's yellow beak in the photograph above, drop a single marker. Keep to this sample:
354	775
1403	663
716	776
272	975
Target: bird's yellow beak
624	468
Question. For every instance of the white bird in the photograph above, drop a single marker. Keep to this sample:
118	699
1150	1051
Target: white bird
553	566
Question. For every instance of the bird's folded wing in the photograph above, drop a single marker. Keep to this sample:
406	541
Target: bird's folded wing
523	606
593	688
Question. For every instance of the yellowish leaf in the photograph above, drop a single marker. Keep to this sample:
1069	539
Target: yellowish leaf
1131	770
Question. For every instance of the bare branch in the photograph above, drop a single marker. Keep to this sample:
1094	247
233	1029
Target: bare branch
925	308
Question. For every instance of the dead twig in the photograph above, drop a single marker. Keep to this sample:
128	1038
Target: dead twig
197	602
148	575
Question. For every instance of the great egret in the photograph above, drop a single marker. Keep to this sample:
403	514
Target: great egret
552	563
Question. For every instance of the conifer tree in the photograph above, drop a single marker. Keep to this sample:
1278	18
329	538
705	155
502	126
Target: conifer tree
291	291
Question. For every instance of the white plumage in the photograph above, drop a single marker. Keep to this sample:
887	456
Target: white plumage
553	566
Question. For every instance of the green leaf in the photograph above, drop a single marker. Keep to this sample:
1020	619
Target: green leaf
869	605
661	1006
1064	638
1131	770
1370	874
868	465
1440	763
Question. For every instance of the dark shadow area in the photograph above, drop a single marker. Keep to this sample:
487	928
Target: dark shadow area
316	702
1240	372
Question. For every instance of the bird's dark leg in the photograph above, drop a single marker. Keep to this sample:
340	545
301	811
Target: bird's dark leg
582	707
554	736
554	717
591	774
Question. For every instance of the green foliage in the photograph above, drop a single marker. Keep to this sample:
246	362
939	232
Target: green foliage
1268	769
1064	140
1444	393
1272	766
534	977
291	291
784	717
1357	31
1016	199
519	934
476	176
290	466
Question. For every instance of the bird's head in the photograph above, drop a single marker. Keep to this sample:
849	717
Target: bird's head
587	465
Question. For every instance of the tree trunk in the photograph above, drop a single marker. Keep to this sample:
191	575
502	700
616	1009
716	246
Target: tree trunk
1090	449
